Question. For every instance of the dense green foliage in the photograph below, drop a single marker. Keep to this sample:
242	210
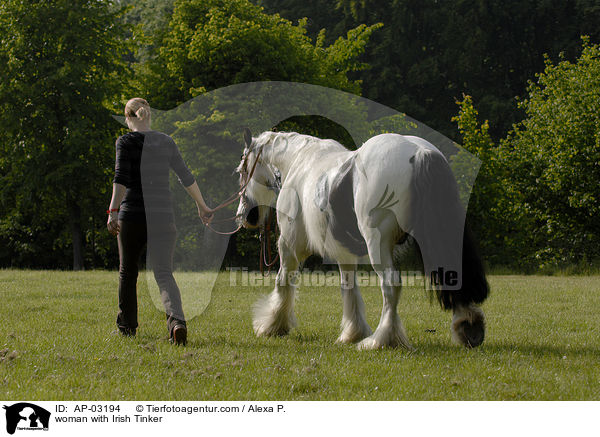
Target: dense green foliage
537	198
488	217
65	66
60	68
214	43
430	52
554	157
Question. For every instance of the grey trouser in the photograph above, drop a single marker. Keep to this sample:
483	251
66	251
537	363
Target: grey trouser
160	241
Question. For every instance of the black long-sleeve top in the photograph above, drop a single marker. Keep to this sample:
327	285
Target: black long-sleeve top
142	166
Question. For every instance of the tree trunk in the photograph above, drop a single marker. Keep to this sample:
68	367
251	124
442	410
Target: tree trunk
76	234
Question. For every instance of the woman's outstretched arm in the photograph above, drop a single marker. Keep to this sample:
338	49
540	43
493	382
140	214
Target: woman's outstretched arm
205	213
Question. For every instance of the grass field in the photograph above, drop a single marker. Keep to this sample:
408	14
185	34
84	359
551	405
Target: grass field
57	342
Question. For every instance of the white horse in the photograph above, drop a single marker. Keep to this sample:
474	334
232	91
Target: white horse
346	205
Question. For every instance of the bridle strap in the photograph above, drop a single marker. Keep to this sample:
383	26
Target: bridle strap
242	189
265	249
265	235
235	197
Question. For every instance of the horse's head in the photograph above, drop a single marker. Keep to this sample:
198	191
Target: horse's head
261	184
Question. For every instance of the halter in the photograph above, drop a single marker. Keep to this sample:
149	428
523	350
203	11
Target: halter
264	235
235	196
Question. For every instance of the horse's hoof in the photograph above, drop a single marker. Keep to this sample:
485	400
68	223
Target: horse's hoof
470	335
369	343
468	327
373	342
351	337
344	339
271	331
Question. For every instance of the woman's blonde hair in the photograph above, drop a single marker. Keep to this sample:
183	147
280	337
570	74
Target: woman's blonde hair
137	108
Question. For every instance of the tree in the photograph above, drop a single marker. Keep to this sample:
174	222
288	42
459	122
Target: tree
61	69
214	43
211	44
429	53
491	213
553	156
536	199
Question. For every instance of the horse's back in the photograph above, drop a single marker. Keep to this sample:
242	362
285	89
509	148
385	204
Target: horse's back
343	191
385	166
400	146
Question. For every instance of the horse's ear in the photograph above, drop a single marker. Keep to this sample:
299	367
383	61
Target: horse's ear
247	137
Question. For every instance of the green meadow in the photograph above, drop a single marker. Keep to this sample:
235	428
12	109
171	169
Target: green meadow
58	342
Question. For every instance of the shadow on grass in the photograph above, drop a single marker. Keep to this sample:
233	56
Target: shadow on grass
294	339
311	340
544	350
537	350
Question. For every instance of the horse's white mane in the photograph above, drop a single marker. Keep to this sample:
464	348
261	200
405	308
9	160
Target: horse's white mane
267	138
299	141
282	149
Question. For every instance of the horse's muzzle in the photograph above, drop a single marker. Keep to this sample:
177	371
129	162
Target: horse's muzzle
251	219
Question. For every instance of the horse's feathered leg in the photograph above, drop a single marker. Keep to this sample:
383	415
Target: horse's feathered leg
380	243
354	323
274	314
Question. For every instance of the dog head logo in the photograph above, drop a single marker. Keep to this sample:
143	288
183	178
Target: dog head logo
25	416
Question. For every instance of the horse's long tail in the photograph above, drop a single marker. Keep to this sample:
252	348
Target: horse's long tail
450	258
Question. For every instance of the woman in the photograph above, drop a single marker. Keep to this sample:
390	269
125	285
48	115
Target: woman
141	214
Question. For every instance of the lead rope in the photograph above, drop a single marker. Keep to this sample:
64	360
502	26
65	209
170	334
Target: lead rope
263	240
